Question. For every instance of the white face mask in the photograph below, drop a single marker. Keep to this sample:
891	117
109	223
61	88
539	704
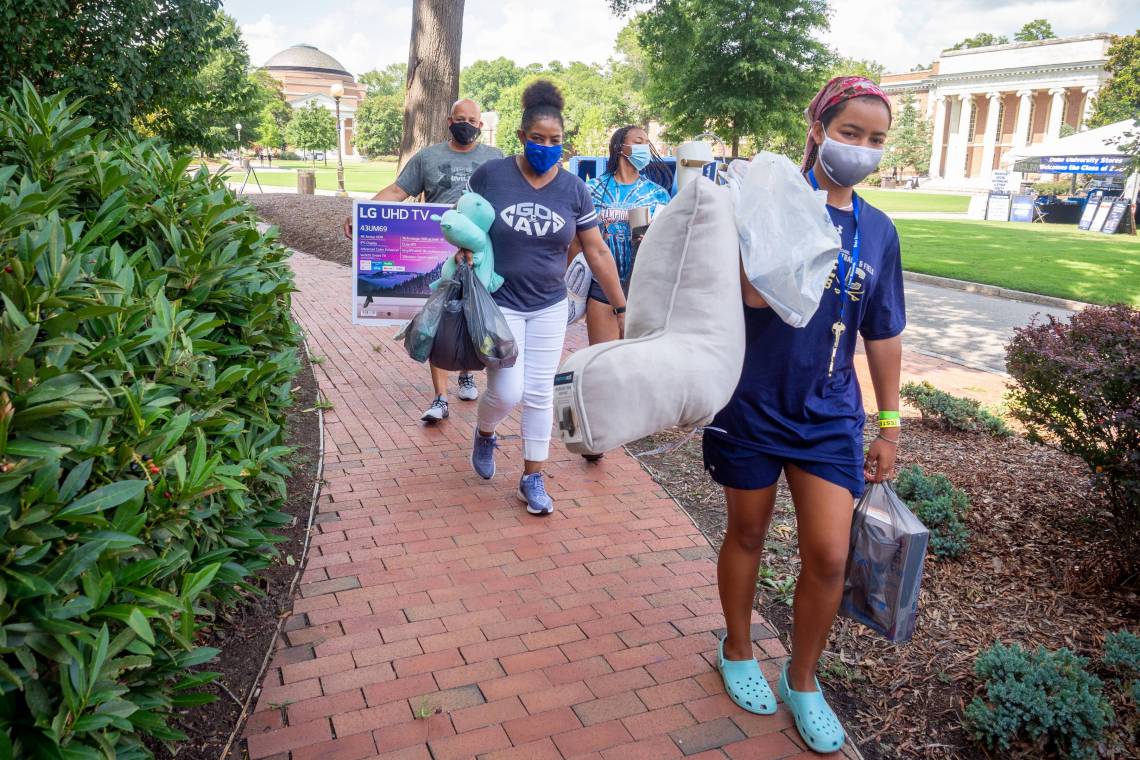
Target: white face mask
848	165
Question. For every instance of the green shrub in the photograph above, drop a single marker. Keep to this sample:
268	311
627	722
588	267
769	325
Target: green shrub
1060	187
146	358
941	508
953	412
1075	385
1043	697
1122	654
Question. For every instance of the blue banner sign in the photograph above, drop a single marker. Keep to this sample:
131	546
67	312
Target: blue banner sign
1082	165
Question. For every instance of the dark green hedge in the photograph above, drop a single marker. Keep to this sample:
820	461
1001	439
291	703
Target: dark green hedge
146	364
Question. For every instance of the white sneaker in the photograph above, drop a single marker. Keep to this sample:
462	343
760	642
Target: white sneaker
437	411
467	389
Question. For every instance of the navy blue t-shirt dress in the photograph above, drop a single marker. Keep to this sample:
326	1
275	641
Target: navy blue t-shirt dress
786	408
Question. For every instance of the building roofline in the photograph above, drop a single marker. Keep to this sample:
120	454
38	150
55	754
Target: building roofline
310	69
1032	43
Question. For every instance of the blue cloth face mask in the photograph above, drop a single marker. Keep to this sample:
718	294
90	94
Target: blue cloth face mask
848	165
639	156
542	157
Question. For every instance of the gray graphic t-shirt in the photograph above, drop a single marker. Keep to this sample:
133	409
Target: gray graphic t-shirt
441	173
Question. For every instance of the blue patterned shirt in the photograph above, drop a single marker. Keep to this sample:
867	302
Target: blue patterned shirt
613	201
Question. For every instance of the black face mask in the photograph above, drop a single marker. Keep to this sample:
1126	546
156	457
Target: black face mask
464	133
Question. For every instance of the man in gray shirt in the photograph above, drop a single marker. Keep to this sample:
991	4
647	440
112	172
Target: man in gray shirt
440	172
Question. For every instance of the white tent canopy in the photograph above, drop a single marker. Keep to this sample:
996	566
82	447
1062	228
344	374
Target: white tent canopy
1095	142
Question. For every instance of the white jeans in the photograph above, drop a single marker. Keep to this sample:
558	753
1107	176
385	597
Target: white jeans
540	336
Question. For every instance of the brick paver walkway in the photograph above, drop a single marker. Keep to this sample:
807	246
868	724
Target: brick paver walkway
437	620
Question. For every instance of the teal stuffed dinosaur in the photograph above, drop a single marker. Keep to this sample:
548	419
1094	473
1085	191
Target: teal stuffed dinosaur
467	226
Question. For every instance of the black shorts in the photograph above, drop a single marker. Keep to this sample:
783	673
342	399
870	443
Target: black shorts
597	293
744	469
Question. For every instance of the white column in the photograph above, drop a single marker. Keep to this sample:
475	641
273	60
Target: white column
1024	106
936	142
989	141
956	157
1087	109
1056	110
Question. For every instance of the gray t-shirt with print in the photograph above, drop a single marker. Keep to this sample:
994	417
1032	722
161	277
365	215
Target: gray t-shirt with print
441	173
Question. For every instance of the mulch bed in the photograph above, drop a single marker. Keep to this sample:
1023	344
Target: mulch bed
1040	571
310	223
244	633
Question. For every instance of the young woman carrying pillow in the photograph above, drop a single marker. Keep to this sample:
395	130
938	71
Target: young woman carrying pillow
798	410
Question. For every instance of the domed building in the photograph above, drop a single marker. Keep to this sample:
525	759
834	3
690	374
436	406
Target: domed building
306	74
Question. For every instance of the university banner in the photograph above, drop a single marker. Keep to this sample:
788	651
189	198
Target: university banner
1102	165
398	250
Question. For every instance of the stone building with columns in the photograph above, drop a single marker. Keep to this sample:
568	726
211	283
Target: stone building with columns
306	74
986	101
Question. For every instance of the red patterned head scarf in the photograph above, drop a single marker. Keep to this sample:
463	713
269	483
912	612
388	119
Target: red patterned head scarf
836	91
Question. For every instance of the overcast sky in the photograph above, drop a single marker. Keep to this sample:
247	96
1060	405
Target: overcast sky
367	34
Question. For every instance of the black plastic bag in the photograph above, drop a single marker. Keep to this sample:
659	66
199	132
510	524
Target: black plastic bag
419	334
491	336
453	349
884	568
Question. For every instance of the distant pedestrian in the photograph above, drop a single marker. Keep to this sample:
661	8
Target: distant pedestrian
440	173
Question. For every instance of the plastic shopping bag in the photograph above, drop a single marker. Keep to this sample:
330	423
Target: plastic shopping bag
490	335
578	278
788	244
452	349
884	568
419	334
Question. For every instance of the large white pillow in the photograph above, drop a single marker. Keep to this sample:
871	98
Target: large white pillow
684	348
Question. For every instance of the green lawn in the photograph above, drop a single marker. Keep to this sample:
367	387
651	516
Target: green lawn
905	200
1048	259
369	177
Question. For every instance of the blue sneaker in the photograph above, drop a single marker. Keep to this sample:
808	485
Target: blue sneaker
532	490
483	455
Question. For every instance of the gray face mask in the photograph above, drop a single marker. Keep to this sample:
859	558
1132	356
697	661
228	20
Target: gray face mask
848	165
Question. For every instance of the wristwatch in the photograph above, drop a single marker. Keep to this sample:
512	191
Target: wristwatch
619	310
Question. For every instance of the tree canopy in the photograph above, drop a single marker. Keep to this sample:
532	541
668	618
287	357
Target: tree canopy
739	68
910	142
841	66
275	113
390	80
1119	99
982	39
379	124
486	81
127	58
1037	29
312	128
596	104
221	95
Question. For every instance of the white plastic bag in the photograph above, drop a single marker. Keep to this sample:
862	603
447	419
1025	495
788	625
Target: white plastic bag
578	278
788	243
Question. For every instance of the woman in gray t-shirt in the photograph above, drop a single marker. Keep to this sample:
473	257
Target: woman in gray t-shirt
540	209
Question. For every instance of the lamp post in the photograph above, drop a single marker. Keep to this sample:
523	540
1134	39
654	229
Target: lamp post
238	127
337	91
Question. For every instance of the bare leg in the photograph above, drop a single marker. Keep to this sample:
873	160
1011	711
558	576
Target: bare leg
601	324
439	381
823	519
749	515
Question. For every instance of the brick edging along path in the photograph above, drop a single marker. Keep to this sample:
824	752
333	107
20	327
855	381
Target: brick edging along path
436	619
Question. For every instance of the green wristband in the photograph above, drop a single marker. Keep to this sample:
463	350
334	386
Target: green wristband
888	415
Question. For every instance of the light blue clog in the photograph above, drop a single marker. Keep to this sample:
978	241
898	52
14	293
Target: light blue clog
745	684
815	720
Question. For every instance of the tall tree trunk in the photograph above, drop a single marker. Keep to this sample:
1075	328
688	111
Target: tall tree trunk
433	73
